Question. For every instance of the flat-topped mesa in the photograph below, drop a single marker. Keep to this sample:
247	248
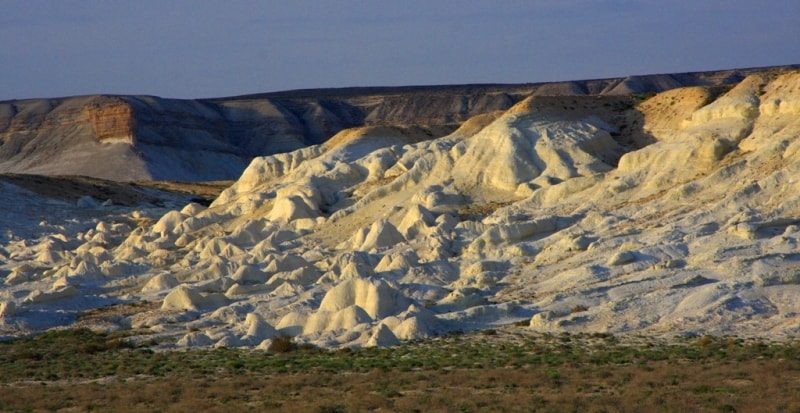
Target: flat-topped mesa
110	117
112	120
33	115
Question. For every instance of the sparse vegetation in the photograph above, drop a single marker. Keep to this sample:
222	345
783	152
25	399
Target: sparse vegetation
580	308
504	371
641	97
476	212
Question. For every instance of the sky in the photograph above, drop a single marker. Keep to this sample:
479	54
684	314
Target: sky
210	48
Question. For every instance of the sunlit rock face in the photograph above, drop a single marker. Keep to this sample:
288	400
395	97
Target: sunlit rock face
663	214
128	138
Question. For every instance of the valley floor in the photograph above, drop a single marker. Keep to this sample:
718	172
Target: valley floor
504	370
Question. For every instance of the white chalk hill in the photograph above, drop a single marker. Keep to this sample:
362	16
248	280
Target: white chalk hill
381	235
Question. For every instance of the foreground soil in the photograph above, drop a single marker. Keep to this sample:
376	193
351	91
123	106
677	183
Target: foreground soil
505	370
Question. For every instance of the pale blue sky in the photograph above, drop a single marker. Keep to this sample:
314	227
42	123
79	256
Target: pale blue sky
193	48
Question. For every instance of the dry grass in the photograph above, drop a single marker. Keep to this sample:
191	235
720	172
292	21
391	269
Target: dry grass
752	385
367	187
475	212
468	373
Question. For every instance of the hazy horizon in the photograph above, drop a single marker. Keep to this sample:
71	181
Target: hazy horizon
203	49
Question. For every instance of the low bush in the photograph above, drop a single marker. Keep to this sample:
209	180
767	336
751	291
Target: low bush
282	344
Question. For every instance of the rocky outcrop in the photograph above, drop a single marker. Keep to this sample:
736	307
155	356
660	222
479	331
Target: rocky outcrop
151	138
538	215
112	119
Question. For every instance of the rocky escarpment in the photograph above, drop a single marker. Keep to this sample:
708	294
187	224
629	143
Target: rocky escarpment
149	138
112	119
547	214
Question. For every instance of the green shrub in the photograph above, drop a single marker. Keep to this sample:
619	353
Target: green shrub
337	408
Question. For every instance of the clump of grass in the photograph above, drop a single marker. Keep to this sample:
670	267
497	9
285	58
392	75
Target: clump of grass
282	344
477	212
285	344
705	341
336	408
580	308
